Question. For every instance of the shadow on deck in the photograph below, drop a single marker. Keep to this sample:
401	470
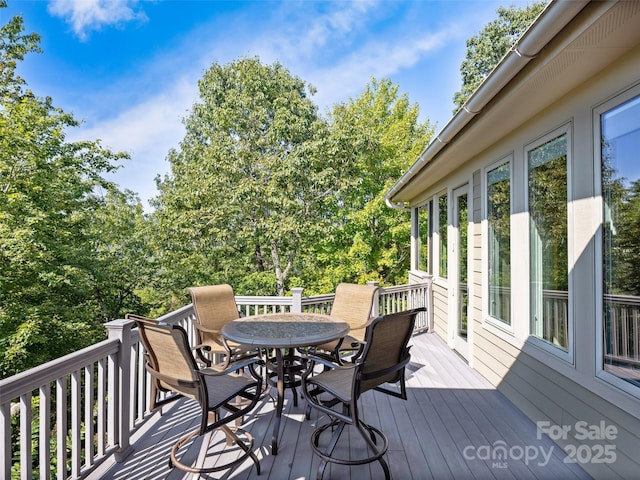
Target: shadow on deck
455	425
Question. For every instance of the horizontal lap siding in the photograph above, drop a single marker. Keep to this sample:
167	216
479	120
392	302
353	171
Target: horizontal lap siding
552	390
543	394
440	306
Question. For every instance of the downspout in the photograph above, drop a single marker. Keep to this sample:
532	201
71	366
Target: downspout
548	24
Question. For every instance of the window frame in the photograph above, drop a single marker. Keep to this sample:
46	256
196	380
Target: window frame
435	222
427	207
568	355
488	318
597	113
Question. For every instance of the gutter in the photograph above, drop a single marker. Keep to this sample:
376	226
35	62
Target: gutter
549	23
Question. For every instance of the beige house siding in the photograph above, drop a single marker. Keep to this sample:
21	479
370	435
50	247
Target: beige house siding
440	310
562	388
543	394
553	390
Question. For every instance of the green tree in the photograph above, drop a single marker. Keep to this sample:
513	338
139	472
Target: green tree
247	189
485	50
49	200
120	265
372	140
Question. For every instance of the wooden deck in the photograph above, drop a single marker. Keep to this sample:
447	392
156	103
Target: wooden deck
450	427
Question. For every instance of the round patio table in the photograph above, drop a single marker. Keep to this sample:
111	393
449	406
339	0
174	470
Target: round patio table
282	331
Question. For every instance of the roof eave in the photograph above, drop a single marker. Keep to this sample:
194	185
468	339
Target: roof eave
549	23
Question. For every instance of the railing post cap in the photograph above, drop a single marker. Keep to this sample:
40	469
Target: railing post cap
118	328
119	323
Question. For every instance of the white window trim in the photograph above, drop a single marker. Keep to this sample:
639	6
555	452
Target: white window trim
495	325
415	266
599	274
435	268
569	355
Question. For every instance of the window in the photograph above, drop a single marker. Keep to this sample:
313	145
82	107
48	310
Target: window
548	252
442	235
423	237
499	239
620	176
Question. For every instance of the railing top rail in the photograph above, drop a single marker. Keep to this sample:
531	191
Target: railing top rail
626	299
257	300
177	315
36	377
404	288
327	297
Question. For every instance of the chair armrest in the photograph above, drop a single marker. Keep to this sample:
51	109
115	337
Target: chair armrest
231	367
359	344
316	359
312	360
169	379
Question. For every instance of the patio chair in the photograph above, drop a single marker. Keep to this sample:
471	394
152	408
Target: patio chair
214	306
383	360
172	366
352	304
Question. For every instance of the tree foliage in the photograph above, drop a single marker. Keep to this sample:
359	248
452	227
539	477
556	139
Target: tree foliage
52	266
373	139
264	193
247	189
486	49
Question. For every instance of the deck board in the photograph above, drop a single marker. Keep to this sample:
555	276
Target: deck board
451	411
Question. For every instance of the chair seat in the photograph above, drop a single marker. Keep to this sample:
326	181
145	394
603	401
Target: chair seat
223	388
337	382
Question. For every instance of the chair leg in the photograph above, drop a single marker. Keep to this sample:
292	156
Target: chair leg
365	429
370	435
246	446
326	455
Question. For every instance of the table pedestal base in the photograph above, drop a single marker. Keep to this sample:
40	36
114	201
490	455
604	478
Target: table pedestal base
292	368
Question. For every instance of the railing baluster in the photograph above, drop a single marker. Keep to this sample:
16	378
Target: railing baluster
139	389
26	416
624	332
5	451
101	424
636	335
75	424
89	378
44	455
112	392
61	427
133	370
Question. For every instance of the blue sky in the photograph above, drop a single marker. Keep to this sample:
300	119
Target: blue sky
128	69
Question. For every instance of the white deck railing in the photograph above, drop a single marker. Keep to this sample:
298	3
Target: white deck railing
62	419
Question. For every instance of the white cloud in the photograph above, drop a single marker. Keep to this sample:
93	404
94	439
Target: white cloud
84	15
147	131
350	75
306	35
